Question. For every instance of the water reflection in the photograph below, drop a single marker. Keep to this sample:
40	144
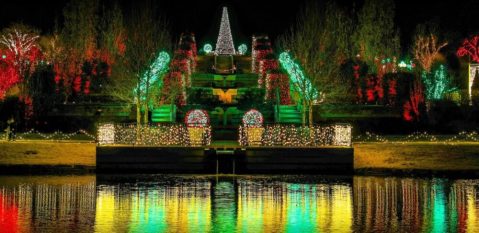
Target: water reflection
47	204
415	205
237	204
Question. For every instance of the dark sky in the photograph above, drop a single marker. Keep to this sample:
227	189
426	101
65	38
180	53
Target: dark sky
459	17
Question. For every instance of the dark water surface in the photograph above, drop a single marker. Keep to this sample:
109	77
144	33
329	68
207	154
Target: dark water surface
159	203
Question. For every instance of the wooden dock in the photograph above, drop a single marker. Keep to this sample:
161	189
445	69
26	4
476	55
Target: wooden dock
225	157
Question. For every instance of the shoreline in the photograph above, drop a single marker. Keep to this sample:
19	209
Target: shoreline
448	159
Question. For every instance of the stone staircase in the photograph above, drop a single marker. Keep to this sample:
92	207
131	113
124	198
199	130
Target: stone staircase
287	114
164	114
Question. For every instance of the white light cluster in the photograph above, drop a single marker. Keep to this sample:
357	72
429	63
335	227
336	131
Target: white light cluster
342	135
18	42
154	135
473	70
224	44
242	49
297	136
106	133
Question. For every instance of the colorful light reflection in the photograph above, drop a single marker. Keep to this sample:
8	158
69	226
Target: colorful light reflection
241	204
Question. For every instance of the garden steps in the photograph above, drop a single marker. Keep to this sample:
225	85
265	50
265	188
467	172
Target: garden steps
288	114
164	114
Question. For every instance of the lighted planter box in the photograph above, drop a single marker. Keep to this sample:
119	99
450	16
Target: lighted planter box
254	135
197	135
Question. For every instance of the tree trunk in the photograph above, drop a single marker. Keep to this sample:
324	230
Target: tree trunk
303	111
145	114
310	113
138	119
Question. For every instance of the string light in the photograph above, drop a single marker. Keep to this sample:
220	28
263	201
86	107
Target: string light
419	137
56	136
181	68
252	118
197	117
106	133
408	65
199	131
470	47
297	77
437	83
155	72
473	72
280	81
224	44
153	135
298	136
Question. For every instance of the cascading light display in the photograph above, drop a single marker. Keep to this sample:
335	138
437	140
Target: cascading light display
296	75
224	44
155	72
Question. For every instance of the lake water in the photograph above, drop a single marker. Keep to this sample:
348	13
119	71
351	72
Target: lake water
176	203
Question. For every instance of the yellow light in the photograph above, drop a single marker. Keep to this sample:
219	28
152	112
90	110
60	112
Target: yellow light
154	135
295	136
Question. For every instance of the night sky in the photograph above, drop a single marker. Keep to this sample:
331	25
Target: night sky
458	18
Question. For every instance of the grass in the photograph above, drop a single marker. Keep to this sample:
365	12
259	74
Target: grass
438	156
38	152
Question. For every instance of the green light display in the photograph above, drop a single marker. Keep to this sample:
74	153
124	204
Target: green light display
207	48
437	83
242	49
296	76
155	72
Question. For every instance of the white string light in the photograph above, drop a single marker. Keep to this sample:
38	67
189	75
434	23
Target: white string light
56	136
224	44
154	135
296	136
419	137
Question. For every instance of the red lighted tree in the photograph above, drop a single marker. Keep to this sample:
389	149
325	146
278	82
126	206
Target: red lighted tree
8	74
470	47
412	106
22	50
79	42
21	58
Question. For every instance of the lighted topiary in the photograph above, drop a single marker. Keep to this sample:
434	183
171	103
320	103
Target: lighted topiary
253	118
197	118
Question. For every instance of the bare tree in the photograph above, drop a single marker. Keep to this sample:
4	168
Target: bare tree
320	43
146	35
375	36
21	42
78	39
426	46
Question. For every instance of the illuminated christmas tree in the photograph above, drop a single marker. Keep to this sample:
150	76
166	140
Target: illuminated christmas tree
224	44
